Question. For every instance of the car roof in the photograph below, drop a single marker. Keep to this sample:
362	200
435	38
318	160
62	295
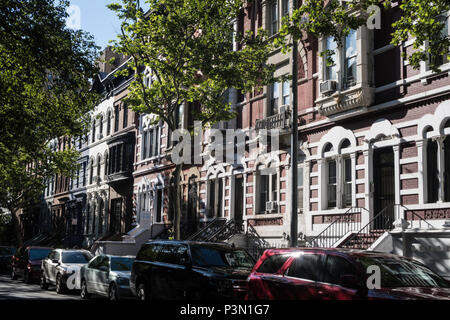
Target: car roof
72	250
343	251
33	247
199	243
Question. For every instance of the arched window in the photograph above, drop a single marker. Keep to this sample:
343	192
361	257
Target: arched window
215	197
100	129
99	167
100	217
108	123
91	172
93	130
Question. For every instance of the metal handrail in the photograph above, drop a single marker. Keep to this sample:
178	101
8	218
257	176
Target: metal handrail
208	227
420	219
380	222
337	229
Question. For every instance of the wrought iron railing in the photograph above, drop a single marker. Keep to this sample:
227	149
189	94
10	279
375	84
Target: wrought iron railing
277	121
210	230
343	224
380	223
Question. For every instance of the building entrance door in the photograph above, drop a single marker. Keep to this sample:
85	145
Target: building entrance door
238	199
384	187
116	214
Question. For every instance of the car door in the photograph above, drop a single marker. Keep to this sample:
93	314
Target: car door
301	277
266	282
53	266
179	278
89	274
102	275
332	287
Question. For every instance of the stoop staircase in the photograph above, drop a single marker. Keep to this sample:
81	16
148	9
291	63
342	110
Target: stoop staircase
347	232
232	231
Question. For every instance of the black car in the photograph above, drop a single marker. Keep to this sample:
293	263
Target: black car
177	270
26	263
6	253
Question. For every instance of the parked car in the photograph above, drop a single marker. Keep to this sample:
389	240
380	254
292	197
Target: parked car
59	265
339	274
108	276
26	263
6	253
182	269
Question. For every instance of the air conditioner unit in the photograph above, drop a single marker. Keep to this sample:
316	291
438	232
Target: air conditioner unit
328	87
271	206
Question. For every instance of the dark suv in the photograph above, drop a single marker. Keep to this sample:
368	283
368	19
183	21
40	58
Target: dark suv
339	274
6	253
26	263
178	270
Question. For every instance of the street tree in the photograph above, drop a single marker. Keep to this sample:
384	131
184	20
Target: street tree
188	47
45	80
421	21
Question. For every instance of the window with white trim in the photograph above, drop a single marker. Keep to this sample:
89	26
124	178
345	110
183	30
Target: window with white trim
215	197
442	59
266	191
277	98
150	143
274	17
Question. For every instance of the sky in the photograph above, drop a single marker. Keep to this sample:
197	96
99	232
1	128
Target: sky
94	17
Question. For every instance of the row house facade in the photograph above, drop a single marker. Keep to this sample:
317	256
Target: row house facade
373	135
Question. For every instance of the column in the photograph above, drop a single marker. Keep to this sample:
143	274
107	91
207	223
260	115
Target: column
353	161
368	185
441	167
422	165
396	149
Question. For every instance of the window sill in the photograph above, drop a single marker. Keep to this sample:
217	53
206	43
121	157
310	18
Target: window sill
263	216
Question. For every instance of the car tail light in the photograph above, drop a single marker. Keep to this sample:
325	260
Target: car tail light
29	266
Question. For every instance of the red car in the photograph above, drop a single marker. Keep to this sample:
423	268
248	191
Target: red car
26	263
339	274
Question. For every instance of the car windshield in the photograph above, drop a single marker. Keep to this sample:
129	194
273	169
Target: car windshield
220	257
76	257
121	264
39	254
397	273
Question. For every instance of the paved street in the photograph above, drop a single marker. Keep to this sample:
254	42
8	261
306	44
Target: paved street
17	290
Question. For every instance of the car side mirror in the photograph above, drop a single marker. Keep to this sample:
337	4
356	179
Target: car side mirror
103	269
55	261
351	281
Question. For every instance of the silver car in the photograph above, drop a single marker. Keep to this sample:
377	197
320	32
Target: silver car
108	276
61	269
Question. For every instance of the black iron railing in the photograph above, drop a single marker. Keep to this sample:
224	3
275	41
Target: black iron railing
209	231
277	121
379	224
342	225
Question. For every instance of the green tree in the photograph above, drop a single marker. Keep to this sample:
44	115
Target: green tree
420	21
188	46
45	79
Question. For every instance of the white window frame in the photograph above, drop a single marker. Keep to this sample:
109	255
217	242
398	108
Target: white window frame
217	181
272	195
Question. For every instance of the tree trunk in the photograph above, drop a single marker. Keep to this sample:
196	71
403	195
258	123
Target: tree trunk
16	226
177	213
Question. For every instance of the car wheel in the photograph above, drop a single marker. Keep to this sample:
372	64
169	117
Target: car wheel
44	283
26	277
13	275
59	285
112	292
84	292
142	293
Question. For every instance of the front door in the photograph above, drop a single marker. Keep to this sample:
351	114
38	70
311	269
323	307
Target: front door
192	207
238	199
116	214
384	187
